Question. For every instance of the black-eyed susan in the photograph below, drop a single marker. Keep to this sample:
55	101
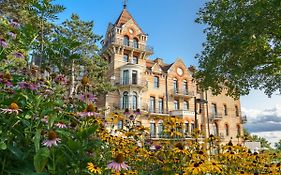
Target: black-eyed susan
93	169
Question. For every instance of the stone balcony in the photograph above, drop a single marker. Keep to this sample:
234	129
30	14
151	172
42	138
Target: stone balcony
182	113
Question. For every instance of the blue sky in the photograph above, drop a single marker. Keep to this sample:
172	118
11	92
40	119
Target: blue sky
174	34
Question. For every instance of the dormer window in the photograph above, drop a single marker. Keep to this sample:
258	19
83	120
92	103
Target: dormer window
126	40
135	60
135	42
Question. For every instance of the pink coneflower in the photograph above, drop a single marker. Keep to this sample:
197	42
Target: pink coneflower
13	108
15	23
60	125
85	114
52	140
87	97
45	119
126	112
28	85
60	79
12	34
18	55
118	164
3	43
137	112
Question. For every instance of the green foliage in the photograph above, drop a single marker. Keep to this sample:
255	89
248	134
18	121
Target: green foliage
278	145
243	49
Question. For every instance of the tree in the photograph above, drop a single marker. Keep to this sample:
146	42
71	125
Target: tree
263	141
278	145
74	52
243	46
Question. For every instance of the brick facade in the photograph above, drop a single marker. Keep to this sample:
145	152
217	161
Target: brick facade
161	89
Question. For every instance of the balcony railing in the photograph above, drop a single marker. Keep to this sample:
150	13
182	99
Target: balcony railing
182	92
215	117
132	82
130	44
182	113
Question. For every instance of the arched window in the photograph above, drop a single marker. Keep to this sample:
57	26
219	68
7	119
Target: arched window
216	133
135	42
238	131
185	87
125	100
126	40
175	82
226	130
135	101
135	60
152	130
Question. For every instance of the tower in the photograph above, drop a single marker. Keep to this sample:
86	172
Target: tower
125	48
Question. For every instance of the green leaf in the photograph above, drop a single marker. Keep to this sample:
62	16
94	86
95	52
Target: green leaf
3	146
41	159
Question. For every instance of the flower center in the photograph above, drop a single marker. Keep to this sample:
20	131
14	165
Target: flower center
52	135
85	80
91	108
14	106
119	158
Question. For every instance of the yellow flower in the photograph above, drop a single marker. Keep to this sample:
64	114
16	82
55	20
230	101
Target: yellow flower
93	169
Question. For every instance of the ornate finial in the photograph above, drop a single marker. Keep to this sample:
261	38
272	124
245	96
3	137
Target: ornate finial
125	3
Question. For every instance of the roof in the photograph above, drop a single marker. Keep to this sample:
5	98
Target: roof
124	17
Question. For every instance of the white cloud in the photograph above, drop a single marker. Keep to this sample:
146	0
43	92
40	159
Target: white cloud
264	122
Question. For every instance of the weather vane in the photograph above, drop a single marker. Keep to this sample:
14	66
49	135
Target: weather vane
125	3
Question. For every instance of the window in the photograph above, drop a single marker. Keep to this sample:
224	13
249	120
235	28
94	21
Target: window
185	105
176	105
236	111
160	105
152	104
187	128
125	104
175	86
192	127
135	60
226	130
125	58
120	124
156	82
126	40
214	109
135	101
216	133
160	129
238	130
185	87
152	130
225	109
125	77
134	77
135	42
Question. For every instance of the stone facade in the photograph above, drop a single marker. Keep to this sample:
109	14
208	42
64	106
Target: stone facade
160	89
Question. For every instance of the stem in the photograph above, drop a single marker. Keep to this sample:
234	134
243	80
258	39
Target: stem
3	165
53	161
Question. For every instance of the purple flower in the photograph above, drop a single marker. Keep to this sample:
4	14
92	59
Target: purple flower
8	83
87	97
60	125
118	164
137	112
18	55
60	79
12	34
15	23
157	147
3	43
28	85
52	140
132	117
126	112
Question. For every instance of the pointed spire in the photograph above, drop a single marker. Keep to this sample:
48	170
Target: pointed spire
125	4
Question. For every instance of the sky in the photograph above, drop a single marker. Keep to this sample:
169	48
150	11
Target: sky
174	34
